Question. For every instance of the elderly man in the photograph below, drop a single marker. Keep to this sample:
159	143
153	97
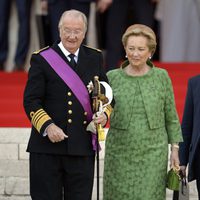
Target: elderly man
59	107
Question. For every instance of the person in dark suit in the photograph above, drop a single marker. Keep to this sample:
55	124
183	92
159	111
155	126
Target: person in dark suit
23	11
131	11
61	150
189	151
57	7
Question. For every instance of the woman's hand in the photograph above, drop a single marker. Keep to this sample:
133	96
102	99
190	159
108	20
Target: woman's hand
174	158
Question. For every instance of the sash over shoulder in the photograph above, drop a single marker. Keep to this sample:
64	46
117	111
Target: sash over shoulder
72	80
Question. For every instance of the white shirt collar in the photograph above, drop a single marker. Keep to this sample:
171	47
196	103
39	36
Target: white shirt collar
67	53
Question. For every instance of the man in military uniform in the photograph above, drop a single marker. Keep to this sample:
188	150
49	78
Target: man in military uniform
59	107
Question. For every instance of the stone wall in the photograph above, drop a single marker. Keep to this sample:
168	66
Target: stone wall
14	166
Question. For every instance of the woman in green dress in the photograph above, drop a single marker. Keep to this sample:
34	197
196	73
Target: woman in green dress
143	122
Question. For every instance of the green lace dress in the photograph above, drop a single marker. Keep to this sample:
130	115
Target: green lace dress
135	156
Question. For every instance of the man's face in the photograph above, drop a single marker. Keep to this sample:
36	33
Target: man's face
72	32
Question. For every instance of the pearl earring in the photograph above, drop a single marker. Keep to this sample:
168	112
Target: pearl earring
149	57
126	56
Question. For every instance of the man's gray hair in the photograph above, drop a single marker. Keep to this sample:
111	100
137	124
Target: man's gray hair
73	13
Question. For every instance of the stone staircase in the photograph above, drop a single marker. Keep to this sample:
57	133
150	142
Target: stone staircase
14	167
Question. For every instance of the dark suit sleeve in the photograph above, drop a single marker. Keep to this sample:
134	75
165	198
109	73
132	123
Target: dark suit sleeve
187	126
34	95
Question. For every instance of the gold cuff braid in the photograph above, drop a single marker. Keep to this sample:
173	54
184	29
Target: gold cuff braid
108	110
38	118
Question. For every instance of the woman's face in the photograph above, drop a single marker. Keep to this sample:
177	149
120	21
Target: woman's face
137	50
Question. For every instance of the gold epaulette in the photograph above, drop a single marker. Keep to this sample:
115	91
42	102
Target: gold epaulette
93	48
38	51
108	110
38	118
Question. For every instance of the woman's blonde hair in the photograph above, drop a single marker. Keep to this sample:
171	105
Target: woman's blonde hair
141	30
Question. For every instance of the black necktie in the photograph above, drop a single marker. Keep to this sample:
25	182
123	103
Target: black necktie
72	61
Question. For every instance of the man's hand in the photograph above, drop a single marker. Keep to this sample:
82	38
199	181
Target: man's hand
183	169
103	5
100	119
44	6
55	133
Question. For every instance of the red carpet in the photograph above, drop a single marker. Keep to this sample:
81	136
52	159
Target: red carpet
12	86
180	73
11	95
